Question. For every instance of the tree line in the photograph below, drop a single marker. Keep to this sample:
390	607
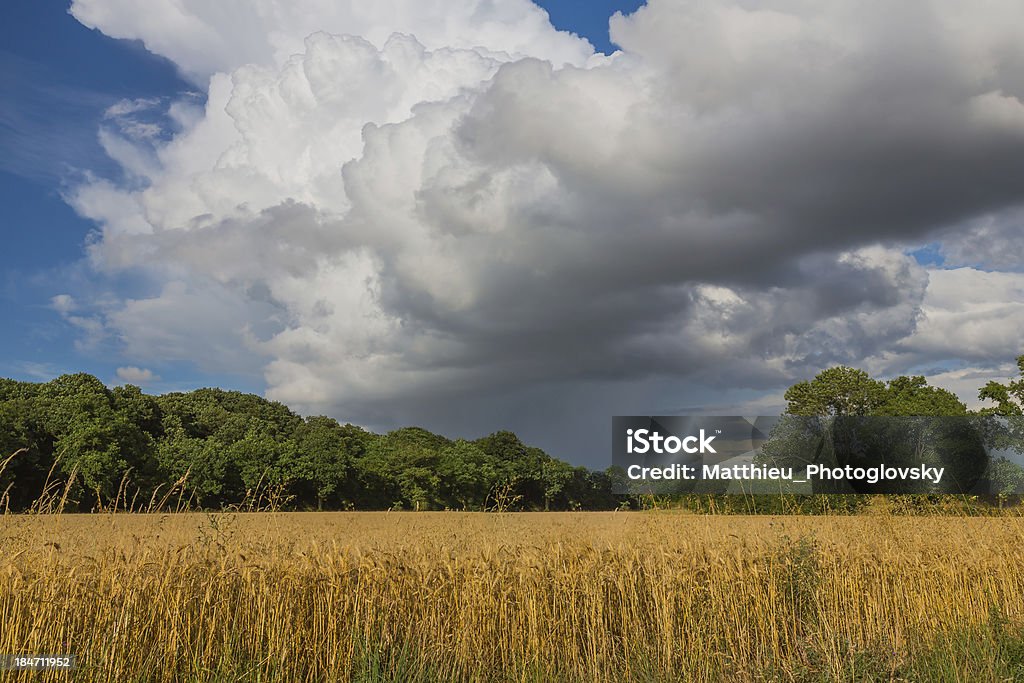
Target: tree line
222	449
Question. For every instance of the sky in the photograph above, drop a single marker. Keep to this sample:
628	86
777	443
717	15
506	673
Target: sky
472	216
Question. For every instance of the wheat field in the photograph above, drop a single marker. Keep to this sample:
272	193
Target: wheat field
652	596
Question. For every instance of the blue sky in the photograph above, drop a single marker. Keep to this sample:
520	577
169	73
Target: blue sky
57	78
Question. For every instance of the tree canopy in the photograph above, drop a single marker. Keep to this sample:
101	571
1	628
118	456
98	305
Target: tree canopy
835	421
848	391
223	448
217	448
1008	397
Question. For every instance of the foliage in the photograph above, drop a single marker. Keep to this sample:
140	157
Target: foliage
848	391
223	449
836	391
911	396
1008	397
844	417
219	449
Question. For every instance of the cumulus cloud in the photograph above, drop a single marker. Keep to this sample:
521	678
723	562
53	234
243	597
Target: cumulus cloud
134	375
991	241
402	214
63	303
204	38
972	315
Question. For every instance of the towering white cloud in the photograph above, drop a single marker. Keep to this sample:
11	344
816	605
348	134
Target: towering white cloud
477	204
204	38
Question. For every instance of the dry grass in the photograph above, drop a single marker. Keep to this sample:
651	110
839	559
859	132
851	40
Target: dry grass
513	597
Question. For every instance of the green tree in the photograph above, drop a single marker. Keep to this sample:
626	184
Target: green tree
90	449
834	421
519	463
1006	433
203	461
836	391
913	396
848	391
556	477
324	459
1008	397
232	445
466	474
1006	478
407	459
92	438
21	431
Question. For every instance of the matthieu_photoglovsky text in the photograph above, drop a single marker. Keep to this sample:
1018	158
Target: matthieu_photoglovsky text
643	441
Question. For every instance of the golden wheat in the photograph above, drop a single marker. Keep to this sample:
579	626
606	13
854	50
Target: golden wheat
516	597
